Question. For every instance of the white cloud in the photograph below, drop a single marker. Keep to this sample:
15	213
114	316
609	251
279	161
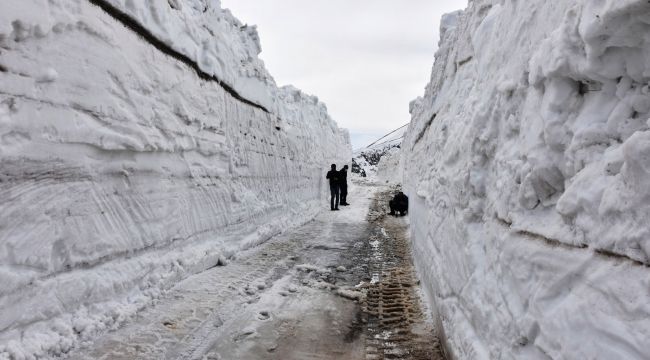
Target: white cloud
366	59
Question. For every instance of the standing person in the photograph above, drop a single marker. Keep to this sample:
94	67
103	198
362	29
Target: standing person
343	185
333	176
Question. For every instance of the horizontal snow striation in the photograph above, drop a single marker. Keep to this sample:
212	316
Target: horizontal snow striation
129	22
527	164
208	36
123	171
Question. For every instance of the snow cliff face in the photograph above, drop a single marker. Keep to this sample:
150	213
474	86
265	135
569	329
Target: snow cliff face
140	142
527	163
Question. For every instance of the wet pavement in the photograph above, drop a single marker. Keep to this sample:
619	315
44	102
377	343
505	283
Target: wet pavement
340	287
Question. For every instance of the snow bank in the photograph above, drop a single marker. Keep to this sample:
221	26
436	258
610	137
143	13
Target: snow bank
389	169
527	165
130	159
379	160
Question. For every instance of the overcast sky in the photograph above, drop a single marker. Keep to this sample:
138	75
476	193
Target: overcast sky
366	59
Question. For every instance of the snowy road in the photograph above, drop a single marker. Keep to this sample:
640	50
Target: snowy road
315	292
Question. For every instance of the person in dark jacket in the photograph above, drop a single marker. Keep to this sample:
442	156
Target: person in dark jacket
399	204
343	185
333	177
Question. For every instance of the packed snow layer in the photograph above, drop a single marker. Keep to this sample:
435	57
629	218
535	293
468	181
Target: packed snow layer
124	169
218	43
527	165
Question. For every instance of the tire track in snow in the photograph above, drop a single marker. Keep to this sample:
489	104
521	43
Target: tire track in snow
215	314
202	304
396	325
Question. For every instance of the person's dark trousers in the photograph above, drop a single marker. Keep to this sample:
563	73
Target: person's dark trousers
344	193
397	208
334	189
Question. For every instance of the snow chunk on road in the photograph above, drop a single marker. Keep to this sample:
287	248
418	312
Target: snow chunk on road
350	294
313	268
47	75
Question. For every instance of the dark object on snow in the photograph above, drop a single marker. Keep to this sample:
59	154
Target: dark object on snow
399	204
333	176
343	184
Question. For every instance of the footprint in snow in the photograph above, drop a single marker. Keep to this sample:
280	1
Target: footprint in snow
263	315
243	335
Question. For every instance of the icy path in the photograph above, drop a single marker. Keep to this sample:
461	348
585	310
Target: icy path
292	298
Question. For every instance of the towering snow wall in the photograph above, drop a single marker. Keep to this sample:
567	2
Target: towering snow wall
528	165
140	142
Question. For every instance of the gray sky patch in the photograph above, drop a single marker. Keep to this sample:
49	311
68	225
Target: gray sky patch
366	59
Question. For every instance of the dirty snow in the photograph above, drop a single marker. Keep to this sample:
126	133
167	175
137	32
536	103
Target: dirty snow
526	163
297	314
